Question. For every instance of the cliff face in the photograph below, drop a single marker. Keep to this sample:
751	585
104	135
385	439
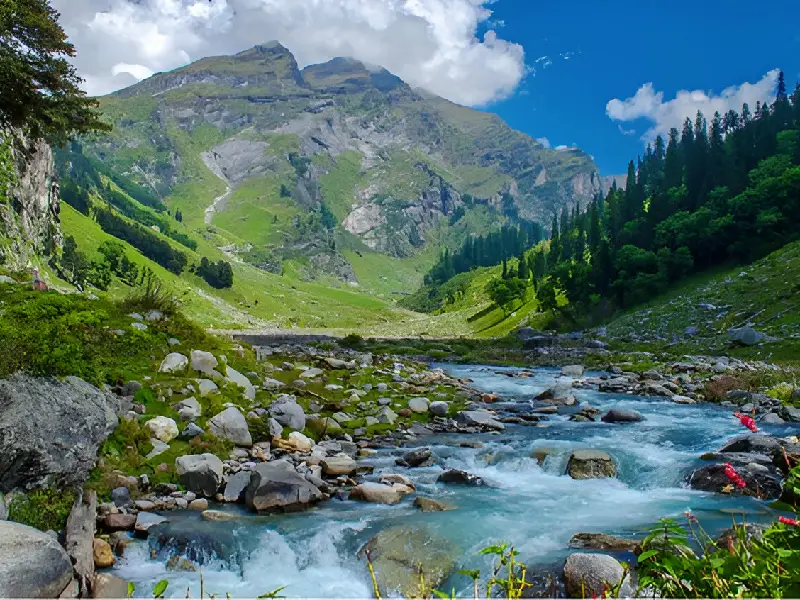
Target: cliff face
29	201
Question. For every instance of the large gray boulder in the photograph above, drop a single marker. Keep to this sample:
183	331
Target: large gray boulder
590	464
175	361
32	563
276	486
199	473
622	415
479	418
746	336
286	411
586	575
761	481
50	430
237	484
248	389
231	425
397	555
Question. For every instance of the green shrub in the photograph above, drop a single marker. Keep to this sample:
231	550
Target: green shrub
351	340
42	509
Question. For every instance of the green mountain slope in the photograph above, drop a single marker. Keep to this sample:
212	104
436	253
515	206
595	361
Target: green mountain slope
334	172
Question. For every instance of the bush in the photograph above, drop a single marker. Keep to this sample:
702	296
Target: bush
351	340
42	509
151	294
717	389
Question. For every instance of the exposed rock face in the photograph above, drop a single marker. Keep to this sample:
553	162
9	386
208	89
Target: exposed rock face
398	553
32	564
50	430
29	201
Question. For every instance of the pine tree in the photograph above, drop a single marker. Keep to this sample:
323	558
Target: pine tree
522	267
716	153
673	164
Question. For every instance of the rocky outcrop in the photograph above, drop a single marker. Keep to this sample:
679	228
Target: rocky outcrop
32	563
30	225
50	430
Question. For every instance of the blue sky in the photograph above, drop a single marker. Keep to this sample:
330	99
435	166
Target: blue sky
619	46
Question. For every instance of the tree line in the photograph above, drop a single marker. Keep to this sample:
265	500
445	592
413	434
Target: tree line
713	193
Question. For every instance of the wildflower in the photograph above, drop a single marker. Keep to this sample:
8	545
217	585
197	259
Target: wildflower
731	547
734	477
688	514
747	421
788	521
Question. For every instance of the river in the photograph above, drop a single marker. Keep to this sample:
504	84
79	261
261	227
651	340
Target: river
535	507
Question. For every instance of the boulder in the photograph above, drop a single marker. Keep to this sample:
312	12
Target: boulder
338	364
272	385
190	431
189	409
479	418
387	415
683	400
338	465
397	555
590	464
421	457
206	387
311	373
299	442
771	419
233	376
102	554
218	515
175	361
431	505
286	411
276	486
439	408
199	473
32	563
572	370
231	425
418	405
204	362
322	426
42	443
460	477
587	575
745	336
379	493
146	520
236	486
109	586
602	541
198	504
163	429
791	413
622	415
119	522
761	481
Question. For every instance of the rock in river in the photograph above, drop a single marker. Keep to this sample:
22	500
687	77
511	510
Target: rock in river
460	477
622	415
602	541
762	481
479	418
379	493
42	442
32	563
397	555
199	473
590	464
276	486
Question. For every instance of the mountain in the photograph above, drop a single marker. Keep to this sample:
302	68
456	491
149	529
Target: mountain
332	170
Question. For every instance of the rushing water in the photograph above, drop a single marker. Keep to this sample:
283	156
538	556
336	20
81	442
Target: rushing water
537	508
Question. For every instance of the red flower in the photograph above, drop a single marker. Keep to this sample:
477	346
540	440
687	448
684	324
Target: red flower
747	421
734	477
788	521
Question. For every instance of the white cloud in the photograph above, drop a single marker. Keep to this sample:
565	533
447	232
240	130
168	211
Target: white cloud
624	131
543	141
649	104
429	43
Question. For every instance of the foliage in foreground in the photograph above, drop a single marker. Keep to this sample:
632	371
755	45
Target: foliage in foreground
46	510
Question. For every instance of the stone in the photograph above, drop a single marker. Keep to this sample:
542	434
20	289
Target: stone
275	428
761	481
32	563
791	413
439	408
200	504
218	515
397	479
479	418
190	431
460	477
418	405
572	370
189	409
586	575
236	486
322	426
387	415
338	465
206	387
173	362
272	385
378	493
276	486
233	376
683	400
146	520
431	505
300	442
159	447
397	555
771	419
102	553
421	457
204	362
51	430
602	541
145	505
590	464
109	586
130	388
139	326
311	373
119	522
286	411
121	496
231	425
745	336
162	428
199	473
174	341
622	415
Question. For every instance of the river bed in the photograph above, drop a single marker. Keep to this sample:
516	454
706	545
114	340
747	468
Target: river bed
535	507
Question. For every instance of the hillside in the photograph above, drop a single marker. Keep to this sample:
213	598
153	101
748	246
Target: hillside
333	172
